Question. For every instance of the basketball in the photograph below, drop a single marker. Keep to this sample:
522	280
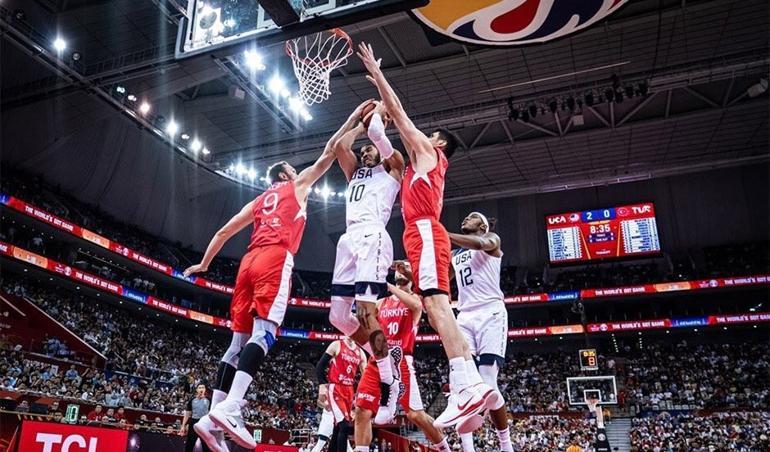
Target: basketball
367	112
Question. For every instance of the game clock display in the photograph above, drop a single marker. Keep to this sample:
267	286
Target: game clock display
603	233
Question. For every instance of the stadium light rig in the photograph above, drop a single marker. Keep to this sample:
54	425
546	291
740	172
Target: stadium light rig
59	44
253	60
172	128
144	108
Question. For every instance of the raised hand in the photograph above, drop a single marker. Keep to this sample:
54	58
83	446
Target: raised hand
197	268
366	54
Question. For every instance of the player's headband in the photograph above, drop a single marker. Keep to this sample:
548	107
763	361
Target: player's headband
483	219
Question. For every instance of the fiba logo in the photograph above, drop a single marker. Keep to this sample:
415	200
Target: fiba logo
513	22
601	437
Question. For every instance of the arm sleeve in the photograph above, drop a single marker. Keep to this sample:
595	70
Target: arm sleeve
376	133
321	367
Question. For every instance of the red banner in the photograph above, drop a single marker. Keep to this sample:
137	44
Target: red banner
274	448
759	317
128	253
52	437
677	286
525	299
310	303
635	325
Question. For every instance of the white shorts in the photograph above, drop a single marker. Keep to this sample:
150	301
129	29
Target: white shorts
326	427
485	329
364	256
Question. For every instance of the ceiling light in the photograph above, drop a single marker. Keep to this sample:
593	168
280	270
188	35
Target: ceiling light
120	89
172	128
305	114
59	44
317	191
276	85
195	146
131	98
144	108
252	173
757	89
185	136
240	169
341	194
295	104
206	151
325	192
253	60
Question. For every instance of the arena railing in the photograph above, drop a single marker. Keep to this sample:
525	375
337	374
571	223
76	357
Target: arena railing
536	298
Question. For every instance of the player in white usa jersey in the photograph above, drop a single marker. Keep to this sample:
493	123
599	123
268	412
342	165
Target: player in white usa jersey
482	317
365	251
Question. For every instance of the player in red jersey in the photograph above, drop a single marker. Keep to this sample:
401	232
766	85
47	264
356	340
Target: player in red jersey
261	287
398	315
336	373
428	250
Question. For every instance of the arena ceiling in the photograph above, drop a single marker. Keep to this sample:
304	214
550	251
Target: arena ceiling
698	58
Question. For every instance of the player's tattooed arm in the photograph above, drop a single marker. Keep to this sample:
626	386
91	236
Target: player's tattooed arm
417	144
232	227
489	241
343	148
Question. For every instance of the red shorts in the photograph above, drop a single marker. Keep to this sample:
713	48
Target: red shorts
262	287
429	251
340	401
368	397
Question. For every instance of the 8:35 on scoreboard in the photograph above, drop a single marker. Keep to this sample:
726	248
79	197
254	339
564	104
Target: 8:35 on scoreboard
612	232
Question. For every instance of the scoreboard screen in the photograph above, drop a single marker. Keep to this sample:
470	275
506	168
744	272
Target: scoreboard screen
603	233
588	359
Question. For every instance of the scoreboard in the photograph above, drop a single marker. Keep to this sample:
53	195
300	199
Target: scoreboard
588	359
603	233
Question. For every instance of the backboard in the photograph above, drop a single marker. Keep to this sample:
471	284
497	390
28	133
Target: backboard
604	388
221	24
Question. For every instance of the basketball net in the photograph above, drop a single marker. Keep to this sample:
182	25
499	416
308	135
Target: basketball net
314	57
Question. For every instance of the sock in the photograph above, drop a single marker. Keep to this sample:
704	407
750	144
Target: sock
362	448
386	369
458	378
472	372
443	446
216	397
467	442
248	364
319	445
368	349
505	440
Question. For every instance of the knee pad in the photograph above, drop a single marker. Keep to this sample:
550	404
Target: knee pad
341	317
263	334
237	342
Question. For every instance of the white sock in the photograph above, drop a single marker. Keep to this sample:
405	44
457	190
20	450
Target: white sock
386	369
362	448
458	377
368	349
467	441
443	446
505	440
319	445
240	385
216	397
472	372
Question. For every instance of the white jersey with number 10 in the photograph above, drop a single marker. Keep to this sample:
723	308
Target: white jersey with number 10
478	278
370	196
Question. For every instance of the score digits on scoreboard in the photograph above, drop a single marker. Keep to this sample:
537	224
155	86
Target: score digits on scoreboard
603	233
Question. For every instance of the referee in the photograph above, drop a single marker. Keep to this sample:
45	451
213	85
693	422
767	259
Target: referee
197	407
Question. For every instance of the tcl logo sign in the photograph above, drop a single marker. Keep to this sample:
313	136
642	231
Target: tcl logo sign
49	437
49	440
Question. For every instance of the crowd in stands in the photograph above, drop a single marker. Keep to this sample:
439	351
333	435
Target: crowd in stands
727	260
739	431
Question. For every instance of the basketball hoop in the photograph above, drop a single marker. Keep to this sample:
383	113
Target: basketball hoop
314	57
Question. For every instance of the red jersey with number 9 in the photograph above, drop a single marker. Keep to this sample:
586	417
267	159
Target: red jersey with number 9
345	365
397	323
278	218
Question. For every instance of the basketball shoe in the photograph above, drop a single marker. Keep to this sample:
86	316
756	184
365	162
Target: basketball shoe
227	415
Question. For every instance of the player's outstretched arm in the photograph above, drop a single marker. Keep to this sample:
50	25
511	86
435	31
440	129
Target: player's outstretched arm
411	300
311	174
488	242
418	145
343	149
392	159
232	227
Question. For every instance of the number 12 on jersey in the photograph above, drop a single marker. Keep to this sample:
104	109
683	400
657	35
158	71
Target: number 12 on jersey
466	279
